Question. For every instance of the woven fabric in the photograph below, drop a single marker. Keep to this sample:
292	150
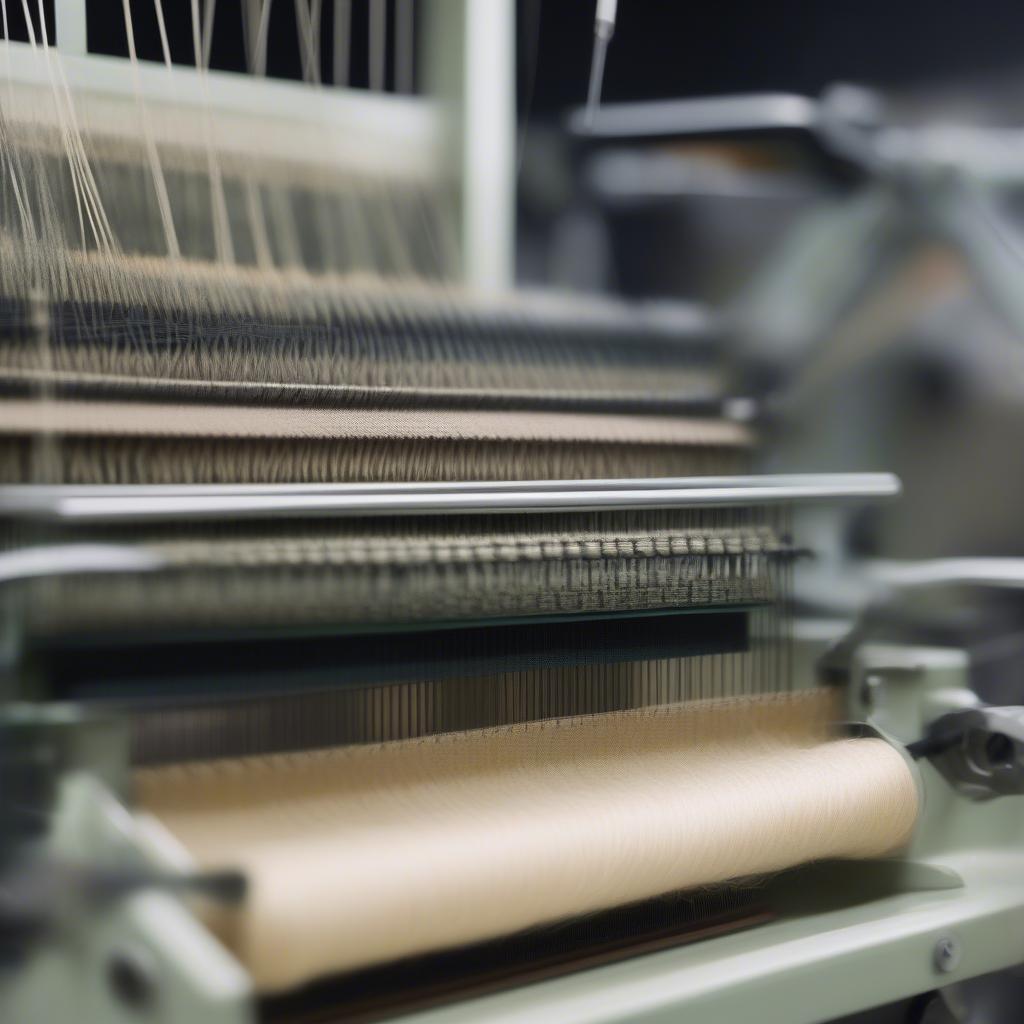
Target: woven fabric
415	570
135	419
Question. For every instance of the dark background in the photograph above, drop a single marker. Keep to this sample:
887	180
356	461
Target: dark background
680	48
661	48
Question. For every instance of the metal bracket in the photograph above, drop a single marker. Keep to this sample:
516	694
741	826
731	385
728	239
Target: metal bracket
980	751
113	937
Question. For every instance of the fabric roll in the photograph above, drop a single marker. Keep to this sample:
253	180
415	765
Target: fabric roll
357	856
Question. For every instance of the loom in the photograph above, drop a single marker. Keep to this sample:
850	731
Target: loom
381	640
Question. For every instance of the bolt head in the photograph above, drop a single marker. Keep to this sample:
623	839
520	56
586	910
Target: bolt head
947	954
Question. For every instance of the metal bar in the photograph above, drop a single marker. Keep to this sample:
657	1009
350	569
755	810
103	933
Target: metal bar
66	559
715	115
36	492
469	64
190	503
69	23
489	134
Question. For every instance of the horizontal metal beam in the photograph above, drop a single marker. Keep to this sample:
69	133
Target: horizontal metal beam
713	115
39	562
116	504
254	117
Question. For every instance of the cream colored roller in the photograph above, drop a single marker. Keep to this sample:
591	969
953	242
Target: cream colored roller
366	854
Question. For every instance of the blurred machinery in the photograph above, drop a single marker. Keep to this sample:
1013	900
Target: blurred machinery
437	507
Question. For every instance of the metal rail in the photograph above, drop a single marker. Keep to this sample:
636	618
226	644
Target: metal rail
176	503
75	560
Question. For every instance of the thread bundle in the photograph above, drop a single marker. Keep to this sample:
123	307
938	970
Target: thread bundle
176	267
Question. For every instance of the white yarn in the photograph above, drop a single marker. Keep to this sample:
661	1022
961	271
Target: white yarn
152	155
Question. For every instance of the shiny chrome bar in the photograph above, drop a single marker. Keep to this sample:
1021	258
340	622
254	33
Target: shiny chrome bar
171	503
626	483
75	560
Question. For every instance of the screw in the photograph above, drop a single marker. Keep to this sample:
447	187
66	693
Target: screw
130	976
946	954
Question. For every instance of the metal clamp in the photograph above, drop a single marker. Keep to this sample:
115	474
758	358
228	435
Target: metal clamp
980	751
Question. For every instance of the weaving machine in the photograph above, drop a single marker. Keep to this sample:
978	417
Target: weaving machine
379	640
